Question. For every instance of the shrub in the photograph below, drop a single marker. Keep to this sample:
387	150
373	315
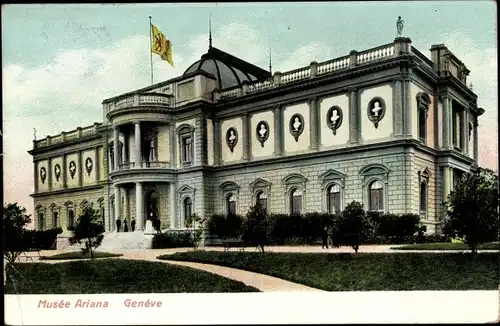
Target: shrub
15	242
44	240
157	224
170	239
255	227
226	227
353	227
88	230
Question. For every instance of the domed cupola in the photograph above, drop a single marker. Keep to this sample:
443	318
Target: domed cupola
228	70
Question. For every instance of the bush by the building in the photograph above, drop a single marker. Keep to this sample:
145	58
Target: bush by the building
170	239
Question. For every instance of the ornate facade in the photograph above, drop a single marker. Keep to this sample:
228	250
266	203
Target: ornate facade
387	127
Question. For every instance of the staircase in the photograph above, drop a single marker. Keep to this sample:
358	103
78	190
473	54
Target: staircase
125	240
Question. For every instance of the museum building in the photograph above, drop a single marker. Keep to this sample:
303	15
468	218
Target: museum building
387	127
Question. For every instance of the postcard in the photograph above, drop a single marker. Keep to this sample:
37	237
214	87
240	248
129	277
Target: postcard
249	163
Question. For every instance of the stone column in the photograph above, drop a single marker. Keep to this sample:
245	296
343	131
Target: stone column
464	133
354	125
314	126
476	142
115	148
97	164
447	181
117	204
407	105
139	207
80	168
246	135
447	120
397	101
217	142
138	151
49	174
126	214
173	205
64	174
278	131
36	174
172	145
126	149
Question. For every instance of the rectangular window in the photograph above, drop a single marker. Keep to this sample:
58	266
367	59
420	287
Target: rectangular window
187	147
296	205
263	203
422	125
376	200
231	208
334	203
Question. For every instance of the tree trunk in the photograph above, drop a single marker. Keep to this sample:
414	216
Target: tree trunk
90	249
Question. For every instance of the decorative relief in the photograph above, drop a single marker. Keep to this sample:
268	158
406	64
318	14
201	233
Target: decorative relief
88	165
334	118
72	169
57	171
262	132
231	138
296	125
376	110
43	174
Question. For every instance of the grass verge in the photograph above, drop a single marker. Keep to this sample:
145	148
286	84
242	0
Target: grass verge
364	271
115	276
447	246
79	255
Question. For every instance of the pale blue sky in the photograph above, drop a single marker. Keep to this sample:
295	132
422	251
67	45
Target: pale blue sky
61	61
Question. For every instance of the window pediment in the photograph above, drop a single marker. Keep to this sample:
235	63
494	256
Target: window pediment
294	178
423	100
38	207
330	176
185	129
68	203
424	175
54	207
186	189
229	186
260	183
374	169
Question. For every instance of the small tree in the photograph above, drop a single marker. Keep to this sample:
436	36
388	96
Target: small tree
17	238
255	227
197	224
88	230
353	227
472	209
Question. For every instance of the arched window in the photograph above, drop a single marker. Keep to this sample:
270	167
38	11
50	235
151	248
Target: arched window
261	199
152	205
55	219
41	221
102	213
231	205
188	208
71	218
423	197
376	196
333	199
296	201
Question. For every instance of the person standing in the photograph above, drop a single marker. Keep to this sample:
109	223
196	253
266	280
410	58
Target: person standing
324	237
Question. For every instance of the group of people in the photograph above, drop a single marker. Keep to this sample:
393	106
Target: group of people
125	225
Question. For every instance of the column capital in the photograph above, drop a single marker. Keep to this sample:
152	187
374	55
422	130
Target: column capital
313	100
352	89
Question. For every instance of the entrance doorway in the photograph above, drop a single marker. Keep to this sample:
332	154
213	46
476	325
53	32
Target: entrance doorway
152	205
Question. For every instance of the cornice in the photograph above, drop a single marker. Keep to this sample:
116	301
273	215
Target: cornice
69	190
65	144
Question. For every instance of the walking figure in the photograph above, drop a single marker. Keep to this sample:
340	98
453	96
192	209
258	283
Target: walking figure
132	225
400	25
324	237
125	225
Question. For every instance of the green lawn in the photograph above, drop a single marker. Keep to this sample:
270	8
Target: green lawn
364	271
79	255
447	246
115	276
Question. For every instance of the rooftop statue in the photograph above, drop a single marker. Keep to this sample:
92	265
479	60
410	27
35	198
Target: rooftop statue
400	26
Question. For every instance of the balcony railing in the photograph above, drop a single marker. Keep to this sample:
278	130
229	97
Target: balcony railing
138	100
315	69
145	165
66	136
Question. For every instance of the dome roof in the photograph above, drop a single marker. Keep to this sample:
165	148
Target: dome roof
228	70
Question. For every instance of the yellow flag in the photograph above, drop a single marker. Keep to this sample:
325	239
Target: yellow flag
161	45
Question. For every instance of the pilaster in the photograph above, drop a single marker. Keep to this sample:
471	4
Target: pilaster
476	142
354	116
115	149
80	168
314	126
407	104
97	164
172	145
447	122
139	207
217	142
278	131
49	174
173	205
397	100
138	150
246	137
117	204
64	174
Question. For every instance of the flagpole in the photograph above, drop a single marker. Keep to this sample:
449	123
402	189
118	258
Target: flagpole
150	50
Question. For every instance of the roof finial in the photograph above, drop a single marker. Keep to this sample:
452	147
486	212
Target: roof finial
210	30
270	61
